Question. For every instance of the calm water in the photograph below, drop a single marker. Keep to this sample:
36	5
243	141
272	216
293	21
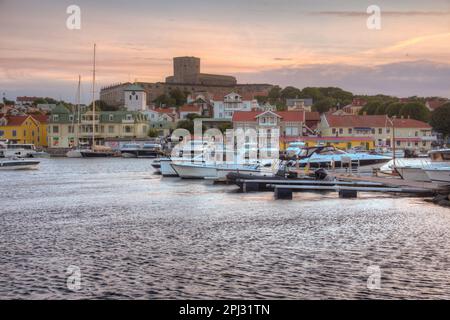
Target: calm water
135	235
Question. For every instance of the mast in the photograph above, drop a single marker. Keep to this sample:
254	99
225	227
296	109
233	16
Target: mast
77	137
93	102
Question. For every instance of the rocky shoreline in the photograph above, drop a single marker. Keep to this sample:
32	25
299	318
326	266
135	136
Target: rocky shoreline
441	200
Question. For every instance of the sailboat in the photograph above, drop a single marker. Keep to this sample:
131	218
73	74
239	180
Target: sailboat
76	151
95	151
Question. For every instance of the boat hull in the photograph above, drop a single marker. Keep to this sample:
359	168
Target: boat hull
439	176
92	154
140	154
413	174
74	154
19	165
192	171
166	168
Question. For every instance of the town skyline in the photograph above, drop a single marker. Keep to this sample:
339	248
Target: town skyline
281	43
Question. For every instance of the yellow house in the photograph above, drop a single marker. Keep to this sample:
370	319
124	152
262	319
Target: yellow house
381	130
42	121
20	129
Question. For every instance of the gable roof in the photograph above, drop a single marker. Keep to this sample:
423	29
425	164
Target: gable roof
190	108
374	121
16	120
250	116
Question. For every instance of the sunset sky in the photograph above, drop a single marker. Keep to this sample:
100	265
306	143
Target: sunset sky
300	43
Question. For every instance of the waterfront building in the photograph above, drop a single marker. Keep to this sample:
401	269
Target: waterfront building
355	107
187	109
409	133
63	127
225	106
299	104
22	129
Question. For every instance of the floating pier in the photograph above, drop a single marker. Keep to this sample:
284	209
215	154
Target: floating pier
346	186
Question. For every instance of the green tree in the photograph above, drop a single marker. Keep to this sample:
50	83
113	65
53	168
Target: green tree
178	96
393	109
371	107
186	124
192	116
415	110
381	110
164	100
323	105
99	105
290	93
225	126
152	133
312	93
274	94
440	120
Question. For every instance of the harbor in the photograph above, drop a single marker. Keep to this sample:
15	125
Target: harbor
134	234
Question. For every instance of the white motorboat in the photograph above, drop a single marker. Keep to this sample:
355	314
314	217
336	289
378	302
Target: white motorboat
18	164
439	175
414	169
20	150
186	170
166	168
135	150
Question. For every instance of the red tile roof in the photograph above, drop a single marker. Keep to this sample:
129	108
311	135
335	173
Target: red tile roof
190	108
16	120
250	116
42	118
375	121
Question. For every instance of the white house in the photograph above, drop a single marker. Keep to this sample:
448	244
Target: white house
225	106
135	98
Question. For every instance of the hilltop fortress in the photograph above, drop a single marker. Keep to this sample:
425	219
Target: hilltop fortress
187	78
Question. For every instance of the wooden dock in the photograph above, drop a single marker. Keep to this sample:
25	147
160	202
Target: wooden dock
391	181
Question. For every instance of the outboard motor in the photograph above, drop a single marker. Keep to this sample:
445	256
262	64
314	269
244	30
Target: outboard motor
321	174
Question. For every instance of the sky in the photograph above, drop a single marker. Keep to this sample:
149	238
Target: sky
284	42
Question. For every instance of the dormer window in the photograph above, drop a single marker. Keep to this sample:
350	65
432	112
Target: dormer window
129	117
55	117
111	117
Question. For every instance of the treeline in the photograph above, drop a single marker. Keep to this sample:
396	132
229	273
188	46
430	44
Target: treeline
324	98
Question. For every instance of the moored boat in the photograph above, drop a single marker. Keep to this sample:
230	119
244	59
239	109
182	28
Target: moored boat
439	175
18	164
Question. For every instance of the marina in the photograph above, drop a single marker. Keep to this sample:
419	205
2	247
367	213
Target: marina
135	234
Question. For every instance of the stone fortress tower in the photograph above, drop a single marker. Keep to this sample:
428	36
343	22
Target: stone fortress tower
186	70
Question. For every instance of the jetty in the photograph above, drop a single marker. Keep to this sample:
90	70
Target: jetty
347	186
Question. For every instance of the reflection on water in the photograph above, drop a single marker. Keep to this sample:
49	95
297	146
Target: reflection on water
134	235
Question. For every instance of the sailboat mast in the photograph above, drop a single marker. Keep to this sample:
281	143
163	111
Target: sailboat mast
93	102
77	136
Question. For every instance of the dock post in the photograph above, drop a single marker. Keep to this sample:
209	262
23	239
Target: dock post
348	194
251	187
283	193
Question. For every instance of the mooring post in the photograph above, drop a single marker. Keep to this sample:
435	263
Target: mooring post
283	194
348	194
251	186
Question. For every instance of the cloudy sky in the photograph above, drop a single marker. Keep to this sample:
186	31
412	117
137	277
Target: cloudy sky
286	42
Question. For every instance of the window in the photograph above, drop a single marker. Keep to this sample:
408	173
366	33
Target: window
137	98
2	133
373	131
111	129
14	133
102	129
25	133
341	131
32	133
55	129
333	130
129	117
71	117
55	117
71	129
388	130
350	131
398	143
127	129
380	130
111	117
131	97
417	133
